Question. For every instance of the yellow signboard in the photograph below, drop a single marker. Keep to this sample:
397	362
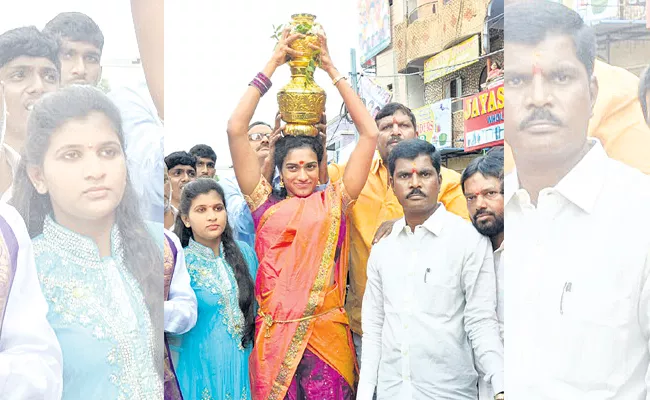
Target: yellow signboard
447	61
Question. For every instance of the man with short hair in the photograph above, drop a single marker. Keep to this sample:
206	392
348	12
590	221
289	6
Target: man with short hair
206	159
29	68
259	135
579	287
81	43
482	183
644	94
182	170
239	215
377	203
427	322
30	356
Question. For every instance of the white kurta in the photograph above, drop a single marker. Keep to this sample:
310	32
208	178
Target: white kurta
429	306
578	287
30	356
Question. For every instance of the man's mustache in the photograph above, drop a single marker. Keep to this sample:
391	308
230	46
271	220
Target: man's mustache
540	114
481	213
414	192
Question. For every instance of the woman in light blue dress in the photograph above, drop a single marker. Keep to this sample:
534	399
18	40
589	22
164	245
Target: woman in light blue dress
213	359
99	266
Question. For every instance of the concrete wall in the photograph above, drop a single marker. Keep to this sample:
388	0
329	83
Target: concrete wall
429	35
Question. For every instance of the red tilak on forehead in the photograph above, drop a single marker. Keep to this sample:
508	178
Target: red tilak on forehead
536	68
394	120
301	162
415	171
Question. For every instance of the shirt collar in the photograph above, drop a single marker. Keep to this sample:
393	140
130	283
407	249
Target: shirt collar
433	224
377	163
12	156
580	186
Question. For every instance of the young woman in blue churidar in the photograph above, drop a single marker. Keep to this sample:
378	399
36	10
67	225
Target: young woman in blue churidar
99	264
213	359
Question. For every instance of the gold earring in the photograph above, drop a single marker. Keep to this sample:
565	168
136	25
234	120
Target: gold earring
281	183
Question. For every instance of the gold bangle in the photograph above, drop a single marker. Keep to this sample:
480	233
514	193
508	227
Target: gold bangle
339	79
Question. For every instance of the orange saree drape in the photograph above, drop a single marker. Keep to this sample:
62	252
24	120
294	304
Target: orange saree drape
296	244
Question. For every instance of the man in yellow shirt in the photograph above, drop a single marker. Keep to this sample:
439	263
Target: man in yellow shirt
617	119
377	203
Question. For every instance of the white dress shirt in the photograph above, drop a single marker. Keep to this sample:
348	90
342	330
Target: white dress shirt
181	306
484	389
579	295
30	357
430	299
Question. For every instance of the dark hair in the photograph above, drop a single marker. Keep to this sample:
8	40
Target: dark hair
530	22
287	143
28	41
258	123
644	89
490	164
391	108
410	149
180	158
231	251
142	255
203	151
76	27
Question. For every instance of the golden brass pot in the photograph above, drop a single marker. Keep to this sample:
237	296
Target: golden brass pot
302	101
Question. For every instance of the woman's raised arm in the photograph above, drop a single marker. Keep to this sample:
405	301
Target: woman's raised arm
245	161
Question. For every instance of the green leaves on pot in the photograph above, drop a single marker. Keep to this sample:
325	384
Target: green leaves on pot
277	32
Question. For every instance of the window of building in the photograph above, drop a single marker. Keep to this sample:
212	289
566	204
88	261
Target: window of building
454	89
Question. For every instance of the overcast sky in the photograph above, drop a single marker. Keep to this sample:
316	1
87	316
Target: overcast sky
214	48
113	18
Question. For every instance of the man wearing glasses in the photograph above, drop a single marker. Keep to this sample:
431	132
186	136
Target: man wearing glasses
239	216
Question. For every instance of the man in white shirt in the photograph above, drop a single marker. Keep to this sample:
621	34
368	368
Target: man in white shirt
578	290
431	295
29	68
482	183
30	357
